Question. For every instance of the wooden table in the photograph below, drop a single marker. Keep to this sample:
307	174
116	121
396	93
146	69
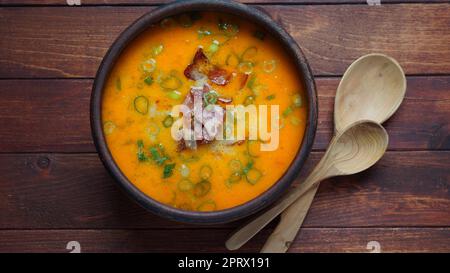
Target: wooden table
53	188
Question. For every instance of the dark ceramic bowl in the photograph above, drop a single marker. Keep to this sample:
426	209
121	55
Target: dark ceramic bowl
259	18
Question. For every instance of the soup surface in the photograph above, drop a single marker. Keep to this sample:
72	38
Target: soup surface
230	62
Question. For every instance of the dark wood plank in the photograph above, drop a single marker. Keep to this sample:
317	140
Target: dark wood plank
45	115
157	2
74	191
53	115
70	42
309	240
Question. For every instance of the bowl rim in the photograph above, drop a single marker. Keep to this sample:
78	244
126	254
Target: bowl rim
252	206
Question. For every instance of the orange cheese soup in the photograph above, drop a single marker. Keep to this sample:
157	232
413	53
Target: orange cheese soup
224	61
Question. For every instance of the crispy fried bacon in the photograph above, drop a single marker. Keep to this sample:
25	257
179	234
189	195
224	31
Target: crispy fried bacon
201	68
219	76
208	120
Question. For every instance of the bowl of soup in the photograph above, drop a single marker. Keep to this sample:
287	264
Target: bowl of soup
204	111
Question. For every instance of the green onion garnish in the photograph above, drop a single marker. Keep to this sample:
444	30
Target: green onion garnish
168	170
168	121
175	95
269	66
109	127
287	111
148	80
185	185
156	50
297	100
206	172
202	188
141	105
140	153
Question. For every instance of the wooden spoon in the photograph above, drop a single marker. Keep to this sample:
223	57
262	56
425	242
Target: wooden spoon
357	148
372	88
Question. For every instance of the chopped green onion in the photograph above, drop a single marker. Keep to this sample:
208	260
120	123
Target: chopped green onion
253	176
246	67
208	205
235	165
184	170
140	153
297	100
287	111
149	65
171	82
206	172
175	95
202	188
168	121
203	32
210	97
156	50
253	148
141	105
270	97
185	185
109	127
232	59
148	80
158	155
249	100
259	35
214	47
249	54
234	178
269	66
248	167
118	84
168	170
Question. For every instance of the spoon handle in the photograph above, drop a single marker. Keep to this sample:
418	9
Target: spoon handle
241	236
291	221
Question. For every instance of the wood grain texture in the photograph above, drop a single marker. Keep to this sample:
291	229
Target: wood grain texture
74	191
309	240
53	115
70	42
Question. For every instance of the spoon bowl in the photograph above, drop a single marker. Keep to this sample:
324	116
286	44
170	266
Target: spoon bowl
358	148
372	88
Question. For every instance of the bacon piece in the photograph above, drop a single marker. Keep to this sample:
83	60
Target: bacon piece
204	123
219	76
201	68
243	77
